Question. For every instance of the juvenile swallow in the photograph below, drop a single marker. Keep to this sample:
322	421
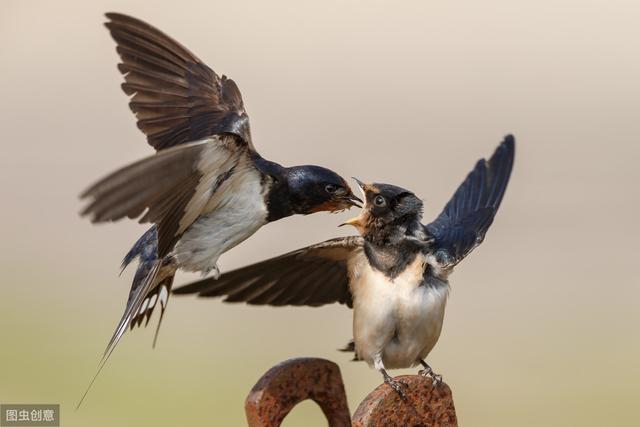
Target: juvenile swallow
394	274
206	189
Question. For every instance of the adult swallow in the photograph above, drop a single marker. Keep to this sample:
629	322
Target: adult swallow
206	189
394	275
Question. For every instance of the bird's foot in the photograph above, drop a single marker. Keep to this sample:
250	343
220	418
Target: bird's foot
437	379
428	372
397	386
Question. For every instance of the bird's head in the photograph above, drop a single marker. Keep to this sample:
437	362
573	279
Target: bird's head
315	189
387	210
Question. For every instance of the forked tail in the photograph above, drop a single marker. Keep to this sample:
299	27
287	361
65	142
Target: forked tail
151	285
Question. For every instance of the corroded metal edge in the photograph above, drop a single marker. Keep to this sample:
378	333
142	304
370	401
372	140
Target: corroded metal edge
292	381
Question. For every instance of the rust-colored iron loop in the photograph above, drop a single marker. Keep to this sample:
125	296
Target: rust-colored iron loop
426	405
292	381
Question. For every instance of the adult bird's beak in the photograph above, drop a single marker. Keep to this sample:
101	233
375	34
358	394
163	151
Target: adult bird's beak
353	200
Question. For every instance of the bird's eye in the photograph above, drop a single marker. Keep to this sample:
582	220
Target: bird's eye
379	201
330	188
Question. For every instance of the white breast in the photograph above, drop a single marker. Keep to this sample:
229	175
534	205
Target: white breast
396	321
234	212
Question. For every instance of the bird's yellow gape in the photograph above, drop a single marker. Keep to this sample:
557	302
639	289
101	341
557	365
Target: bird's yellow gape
357	222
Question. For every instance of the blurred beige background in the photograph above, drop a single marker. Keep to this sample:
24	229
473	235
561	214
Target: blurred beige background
543	319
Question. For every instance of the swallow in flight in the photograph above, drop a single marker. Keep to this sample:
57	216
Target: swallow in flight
394	274
206	189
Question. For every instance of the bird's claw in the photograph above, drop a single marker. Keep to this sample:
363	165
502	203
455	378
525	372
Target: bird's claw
437	379
425	372
397	386
428	372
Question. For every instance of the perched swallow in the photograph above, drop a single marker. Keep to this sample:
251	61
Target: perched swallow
206	189
394	275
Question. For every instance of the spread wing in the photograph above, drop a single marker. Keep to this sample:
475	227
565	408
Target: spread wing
176	97
313	276
467	216
172	187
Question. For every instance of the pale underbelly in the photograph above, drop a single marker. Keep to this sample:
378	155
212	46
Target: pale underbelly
410	346
400	340
238	214
210	237
397	324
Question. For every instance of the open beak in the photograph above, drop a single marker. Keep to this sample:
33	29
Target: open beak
360	183
357	221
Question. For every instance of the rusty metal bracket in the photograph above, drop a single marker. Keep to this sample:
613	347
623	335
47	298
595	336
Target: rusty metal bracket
292	381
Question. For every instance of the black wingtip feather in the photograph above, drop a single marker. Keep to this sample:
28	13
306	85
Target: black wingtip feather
500	165
462	224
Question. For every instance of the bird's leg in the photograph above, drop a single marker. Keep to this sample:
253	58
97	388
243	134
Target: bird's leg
428	372
427	369
395	385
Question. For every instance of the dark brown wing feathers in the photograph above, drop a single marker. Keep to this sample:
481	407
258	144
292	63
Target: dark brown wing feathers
160	186
182	106
175	96
311	276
